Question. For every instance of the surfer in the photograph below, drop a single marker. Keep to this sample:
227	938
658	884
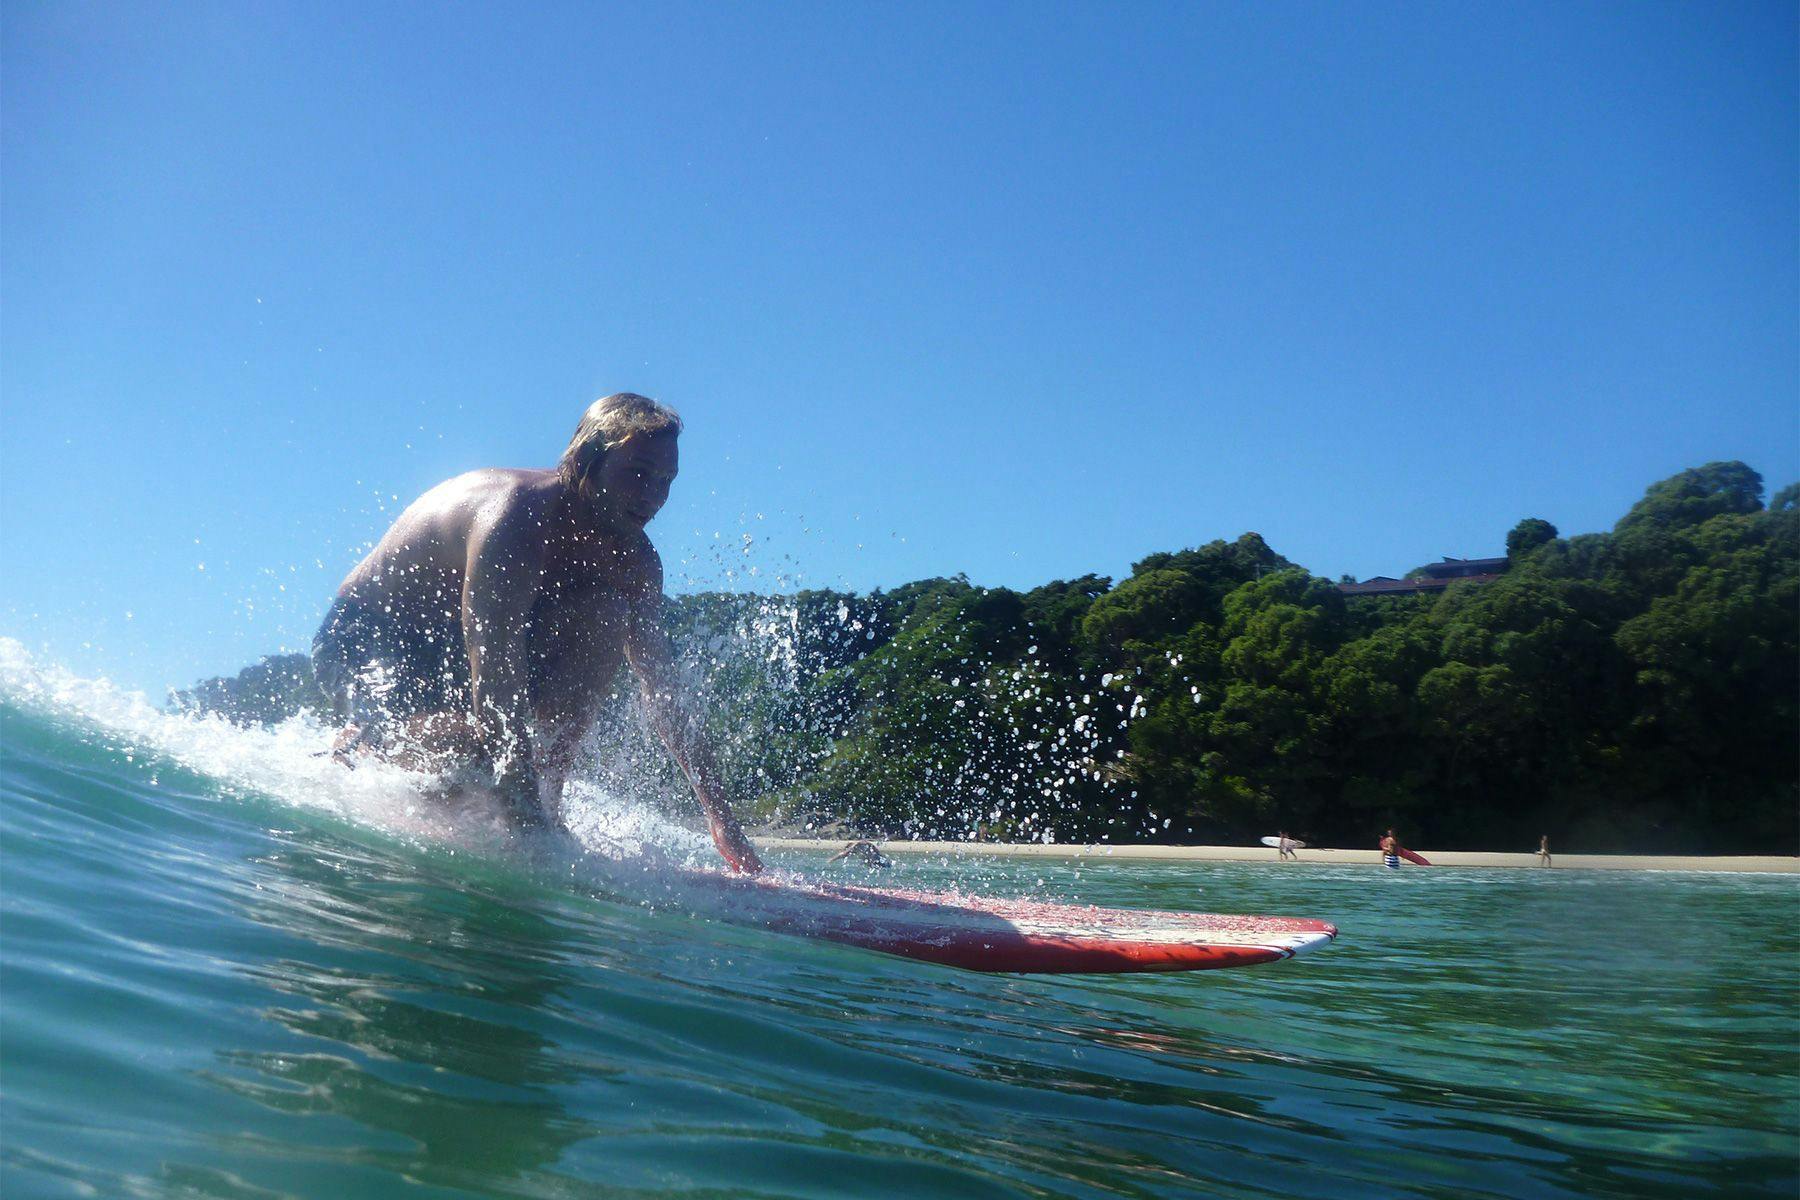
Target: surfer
1544	850
486	627
1286	850
1390	851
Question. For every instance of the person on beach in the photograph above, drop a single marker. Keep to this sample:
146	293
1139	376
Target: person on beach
1390	851
1286	849
483	631
1544	850
866	853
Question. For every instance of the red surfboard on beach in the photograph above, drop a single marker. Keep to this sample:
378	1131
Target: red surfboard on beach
1023	936
1411	857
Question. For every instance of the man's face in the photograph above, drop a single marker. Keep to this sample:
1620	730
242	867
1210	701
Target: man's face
632	483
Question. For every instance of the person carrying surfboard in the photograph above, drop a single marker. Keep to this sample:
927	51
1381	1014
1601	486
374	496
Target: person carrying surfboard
1390	851
485	628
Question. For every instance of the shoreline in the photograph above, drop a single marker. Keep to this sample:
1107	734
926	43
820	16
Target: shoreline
1764	864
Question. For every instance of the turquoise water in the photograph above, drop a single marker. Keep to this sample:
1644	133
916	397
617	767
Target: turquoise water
226	975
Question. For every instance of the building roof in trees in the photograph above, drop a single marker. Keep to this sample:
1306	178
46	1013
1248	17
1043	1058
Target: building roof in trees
1463	568
1433	577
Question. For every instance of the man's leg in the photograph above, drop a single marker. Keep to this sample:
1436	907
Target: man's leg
345	657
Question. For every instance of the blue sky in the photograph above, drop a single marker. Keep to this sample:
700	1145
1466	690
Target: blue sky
1022	291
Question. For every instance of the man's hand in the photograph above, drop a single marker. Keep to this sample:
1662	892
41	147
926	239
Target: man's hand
733	845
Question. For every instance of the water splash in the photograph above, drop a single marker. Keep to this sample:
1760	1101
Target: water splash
290	762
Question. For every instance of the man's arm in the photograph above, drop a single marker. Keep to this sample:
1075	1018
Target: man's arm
647	647
500	584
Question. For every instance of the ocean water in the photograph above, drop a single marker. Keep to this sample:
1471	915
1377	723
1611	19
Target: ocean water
231	969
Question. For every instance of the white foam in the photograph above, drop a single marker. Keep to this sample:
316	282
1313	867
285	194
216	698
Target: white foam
290	763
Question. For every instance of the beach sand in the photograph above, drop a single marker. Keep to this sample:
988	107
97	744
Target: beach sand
1768	864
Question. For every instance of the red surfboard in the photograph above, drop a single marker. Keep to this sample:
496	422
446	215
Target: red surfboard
1023	936
1411	857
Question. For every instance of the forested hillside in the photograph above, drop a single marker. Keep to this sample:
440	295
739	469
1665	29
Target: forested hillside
1631	690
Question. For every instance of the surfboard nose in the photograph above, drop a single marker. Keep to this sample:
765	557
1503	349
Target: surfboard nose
1312	939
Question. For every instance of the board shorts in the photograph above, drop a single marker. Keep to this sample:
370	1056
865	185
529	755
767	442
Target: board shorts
377	670
1391	861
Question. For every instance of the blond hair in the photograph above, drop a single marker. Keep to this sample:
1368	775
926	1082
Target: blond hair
607	422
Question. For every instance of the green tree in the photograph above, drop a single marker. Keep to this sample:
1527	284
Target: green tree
1717	670
1527	536
1695	495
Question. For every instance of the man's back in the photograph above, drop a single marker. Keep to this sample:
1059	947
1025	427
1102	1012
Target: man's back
420	564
